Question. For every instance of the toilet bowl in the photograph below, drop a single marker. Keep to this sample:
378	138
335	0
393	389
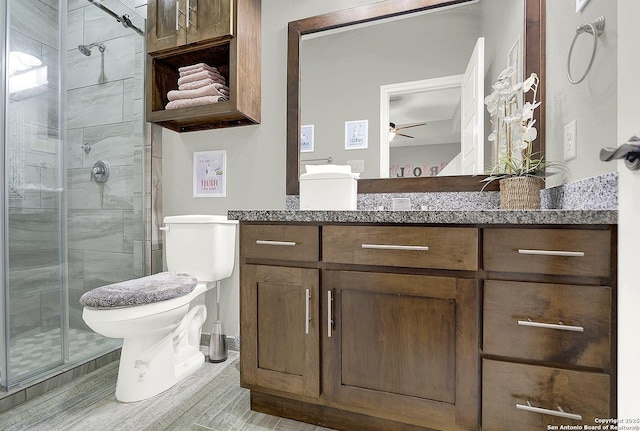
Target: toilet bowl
157	316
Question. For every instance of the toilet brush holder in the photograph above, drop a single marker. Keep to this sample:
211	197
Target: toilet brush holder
217	343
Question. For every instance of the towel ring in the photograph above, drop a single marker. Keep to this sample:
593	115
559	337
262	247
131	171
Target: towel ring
595	28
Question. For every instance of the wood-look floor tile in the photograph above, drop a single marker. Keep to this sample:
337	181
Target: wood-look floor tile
211	399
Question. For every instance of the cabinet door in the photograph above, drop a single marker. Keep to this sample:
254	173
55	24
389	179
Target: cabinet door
165	24
402	347
279	329
209	19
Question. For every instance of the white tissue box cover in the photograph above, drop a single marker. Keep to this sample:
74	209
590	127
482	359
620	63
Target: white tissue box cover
329	191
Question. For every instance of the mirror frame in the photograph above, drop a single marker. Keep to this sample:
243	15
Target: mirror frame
534	61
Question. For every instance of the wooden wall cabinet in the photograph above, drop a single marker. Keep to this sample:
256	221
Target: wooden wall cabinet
173	23
225	34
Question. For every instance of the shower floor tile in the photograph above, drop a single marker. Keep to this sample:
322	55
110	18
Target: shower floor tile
32	353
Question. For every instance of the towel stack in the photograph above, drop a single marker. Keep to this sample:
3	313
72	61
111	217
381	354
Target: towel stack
198	84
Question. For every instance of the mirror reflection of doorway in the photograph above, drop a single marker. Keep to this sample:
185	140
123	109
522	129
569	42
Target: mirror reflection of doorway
452	140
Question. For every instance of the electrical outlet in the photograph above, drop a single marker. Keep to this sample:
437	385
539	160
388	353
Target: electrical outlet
356	165
571	141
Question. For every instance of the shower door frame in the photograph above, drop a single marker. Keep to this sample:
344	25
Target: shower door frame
9	379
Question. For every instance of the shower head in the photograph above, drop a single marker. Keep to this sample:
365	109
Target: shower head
86	49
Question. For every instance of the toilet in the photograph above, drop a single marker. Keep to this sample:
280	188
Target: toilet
158	317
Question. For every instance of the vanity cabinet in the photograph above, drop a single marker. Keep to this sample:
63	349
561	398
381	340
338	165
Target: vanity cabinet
402	347
548	332
390	339
429	327
225	34
279	309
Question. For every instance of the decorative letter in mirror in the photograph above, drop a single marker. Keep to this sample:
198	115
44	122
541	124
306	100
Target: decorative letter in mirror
352	65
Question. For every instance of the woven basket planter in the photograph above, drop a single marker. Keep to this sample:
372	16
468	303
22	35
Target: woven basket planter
520	193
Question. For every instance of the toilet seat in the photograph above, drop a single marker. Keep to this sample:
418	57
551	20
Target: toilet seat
101	315
140	291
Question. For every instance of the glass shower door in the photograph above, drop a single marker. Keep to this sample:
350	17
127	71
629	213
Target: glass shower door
33	210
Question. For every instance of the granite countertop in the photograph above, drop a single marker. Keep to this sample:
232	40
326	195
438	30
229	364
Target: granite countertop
491	217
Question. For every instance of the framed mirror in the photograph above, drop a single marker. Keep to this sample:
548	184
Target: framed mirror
370	15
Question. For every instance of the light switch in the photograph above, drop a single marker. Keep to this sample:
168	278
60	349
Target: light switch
571	141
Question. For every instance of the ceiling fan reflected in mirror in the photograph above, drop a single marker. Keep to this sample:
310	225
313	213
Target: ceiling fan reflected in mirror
394	130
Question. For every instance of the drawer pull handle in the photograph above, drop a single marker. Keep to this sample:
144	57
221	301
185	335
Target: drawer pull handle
280	243
307	318
561	326
396	247
553	253
560	412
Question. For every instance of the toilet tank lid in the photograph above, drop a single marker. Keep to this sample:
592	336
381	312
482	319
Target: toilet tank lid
140	291
195	218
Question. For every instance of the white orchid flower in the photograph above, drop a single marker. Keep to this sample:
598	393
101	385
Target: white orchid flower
527	110
530	82
530	133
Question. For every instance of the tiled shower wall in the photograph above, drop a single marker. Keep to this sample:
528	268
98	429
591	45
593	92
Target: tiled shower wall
105	110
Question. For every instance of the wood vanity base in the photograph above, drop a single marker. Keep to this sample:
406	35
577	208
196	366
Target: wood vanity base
324	416
404	327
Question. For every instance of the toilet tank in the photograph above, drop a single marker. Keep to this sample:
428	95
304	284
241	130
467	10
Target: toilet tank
201	245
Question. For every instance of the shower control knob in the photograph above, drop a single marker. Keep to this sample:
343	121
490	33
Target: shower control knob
100	172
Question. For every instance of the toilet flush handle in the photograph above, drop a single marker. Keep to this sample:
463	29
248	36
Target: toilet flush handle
164	228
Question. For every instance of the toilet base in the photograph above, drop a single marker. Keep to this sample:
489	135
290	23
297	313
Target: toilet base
150	366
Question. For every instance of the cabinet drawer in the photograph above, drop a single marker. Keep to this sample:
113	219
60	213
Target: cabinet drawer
548	322
548	251
280	242
418	247
527	397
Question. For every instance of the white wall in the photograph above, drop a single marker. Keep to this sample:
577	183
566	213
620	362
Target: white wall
593	102
256	154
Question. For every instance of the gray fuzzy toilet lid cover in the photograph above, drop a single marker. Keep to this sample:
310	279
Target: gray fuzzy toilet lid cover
140	291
